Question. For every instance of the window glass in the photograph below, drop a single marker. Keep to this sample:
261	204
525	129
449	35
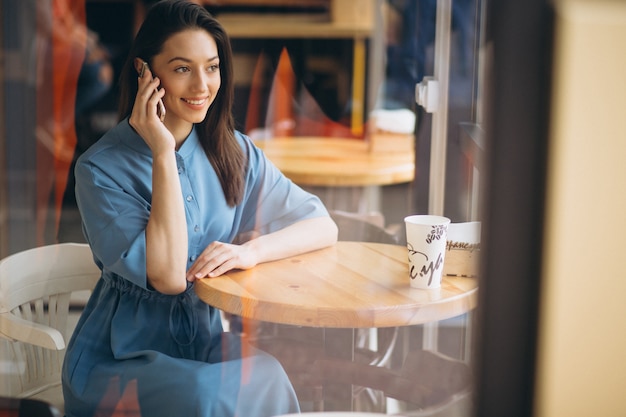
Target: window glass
400	80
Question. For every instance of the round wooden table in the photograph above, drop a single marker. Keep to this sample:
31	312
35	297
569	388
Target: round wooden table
348	285
321	161
340	289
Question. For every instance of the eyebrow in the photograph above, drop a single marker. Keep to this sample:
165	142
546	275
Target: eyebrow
180	58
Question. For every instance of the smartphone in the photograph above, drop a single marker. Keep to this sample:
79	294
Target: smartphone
160	106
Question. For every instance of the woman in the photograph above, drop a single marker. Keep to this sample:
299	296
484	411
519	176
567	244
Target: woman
165	203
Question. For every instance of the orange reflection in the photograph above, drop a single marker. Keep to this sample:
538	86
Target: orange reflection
62	41
291	110
114	404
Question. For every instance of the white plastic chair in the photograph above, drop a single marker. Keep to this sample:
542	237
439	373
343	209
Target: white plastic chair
37	289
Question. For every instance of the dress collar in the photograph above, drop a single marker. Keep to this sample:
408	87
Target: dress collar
190	144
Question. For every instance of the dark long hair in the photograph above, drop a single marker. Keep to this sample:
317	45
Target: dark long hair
216	131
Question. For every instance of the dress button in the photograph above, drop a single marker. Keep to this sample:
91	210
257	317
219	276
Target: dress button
193	258
189	198
196	228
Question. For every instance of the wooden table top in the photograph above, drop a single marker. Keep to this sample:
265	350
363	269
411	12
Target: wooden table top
348	285
321	161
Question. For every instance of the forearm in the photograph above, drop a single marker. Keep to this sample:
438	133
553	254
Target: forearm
300	237
166	232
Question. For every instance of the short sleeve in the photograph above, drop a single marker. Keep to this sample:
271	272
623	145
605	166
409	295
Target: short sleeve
273	201
115	211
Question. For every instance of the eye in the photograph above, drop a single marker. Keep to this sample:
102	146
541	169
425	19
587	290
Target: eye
182	69
214	68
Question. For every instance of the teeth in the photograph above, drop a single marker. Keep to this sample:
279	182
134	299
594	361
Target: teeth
196	102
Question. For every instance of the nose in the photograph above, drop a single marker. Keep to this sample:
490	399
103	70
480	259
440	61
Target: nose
200	81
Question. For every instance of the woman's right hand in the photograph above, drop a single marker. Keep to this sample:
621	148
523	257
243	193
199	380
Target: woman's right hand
144	118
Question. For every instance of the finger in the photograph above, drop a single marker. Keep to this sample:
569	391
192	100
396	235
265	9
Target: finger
200	273
201	261
223	268
145	70
223	258
193	271
146	85
149	101
145	91
155	99
210	266
144	82
150	88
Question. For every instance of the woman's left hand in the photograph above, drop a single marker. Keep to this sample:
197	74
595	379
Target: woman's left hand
219	258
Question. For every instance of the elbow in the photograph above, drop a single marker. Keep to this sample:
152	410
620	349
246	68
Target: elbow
332	231
169	288
164	284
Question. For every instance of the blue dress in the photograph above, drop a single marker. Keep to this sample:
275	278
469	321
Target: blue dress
170	349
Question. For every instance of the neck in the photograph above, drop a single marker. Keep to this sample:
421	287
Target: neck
180	132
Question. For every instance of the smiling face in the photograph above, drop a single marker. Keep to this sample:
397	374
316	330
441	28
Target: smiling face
188	67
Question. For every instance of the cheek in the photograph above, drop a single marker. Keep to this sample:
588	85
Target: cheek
215	88
217	83
169	90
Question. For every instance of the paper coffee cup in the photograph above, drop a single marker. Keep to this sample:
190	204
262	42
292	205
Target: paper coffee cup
426	243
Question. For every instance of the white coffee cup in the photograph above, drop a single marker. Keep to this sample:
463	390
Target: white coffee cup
426	242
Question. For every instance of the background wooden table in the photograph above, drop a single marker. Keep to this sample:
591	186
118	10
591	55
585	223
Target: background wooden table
334	162
330	166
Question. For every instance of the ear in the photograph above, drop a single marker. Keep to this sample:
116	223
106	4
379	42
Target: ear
139	65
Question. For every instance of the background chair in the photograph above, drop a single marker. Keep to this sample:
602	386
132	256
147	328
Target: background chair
18	407
38	289
364	227
432	384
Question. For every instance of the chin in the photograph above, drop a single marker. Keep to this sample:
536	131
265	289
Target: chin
197	118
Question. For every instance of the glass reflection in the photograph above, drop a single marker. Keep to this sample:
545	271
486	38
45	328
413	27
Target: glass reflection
60	96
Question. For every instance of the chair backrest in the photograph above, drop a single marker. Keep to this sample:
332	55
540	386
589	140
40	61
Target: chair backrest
427	379
362	227
15	407
445	377
36	288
